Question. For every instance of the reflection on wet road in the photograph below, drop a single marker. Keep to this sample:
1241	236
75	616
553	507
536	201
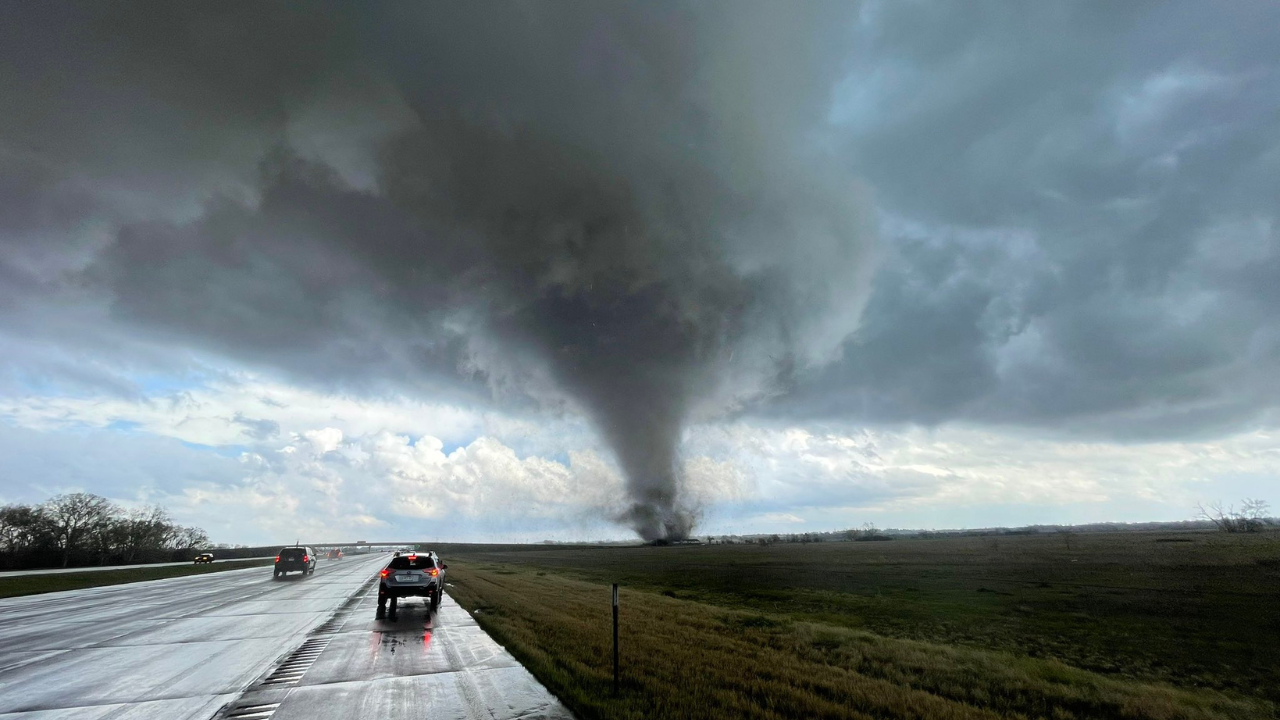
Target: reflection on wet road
419	665
175	648
304	647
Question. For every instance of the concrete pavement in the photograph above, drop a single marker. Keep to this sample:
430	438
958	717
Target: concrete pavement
238	644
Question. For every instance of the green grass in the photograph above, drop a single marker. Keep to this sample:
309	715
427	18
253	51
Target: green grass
56	582
1114	625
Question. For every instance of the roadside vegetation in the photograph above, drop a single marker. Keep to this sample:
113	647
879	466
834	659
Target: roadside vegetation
56	582
1114	625
84	529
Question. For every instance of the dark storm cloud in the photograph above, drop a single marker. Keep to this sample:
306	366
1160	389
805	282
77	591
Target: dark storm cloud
1081	206
601	202
649	212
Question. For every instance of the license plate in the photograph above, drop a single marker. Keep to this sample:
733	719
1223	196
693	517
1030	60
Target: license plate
407	578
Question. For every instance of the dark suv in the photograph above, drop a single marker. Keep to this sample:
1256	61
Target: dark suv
295	559
407	574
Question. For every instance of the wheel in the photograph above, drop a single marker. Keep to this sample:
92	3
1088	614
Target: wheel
394	603
435	601
382	606
275	575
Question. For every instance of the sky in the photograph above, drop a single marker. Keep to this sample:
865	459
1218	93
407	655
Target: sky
527	271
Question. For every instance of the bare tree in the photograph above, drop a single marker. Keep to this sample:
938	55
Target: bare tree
1218	515
143	529
1251	517
1255	513
75	517
188	538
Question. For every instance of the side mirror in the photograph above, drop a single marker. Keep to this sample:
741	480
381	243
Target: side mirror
444	565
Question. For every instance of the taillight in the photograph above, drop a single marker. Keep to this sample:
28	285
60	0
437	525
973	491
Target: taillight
385	572
306	559
435	572
277	558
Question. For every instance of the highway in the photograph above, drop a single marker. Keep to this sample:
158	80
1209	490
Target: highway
238	644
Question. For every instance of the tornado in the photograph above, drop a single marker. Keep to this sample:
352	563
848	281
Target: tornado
636	212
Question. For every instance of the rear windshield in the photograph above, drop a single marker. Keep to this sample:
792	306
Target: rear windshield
406	562
292	553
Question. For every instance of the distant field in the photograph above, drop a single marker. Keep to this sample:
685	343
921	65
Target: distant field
36	584
1124	625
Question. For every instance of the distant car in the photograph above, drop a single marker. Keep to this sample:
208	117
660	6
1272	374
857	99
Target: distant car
204	558
334	554
295	559
411	574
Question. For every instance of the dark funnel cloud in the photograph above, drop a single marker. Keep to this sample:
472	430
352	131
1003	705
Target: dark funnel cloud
634	196
626	209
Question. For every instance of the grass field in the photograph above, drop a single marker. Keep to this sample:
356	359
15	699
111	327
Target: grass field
55	582
1125	625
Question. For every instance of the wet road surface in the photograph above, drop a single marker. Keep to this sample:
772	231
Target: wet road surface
237	644
440	666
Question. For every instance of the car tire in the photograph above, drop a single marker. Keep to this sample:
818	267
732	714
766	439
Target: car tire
435	601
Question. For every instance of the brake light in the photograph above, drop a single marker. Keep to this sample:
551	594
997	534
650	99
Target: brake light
306	559
435	572
385	572
277	558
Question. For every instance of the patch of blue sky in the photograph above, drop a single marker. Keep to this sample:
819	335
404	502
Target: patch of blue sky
35	384
95	382
170	384
81	385
125	426
561	457
230	451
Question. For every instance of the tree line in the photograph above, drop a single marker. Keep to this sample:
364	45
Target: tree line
80	529
867	532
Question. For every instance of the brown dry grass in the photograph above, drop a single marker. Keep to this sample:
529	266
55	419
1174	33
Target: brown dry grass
1186	609
690	659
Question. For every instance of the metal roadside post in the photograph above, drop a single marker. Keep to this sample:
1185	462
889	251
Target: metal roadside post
615	639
